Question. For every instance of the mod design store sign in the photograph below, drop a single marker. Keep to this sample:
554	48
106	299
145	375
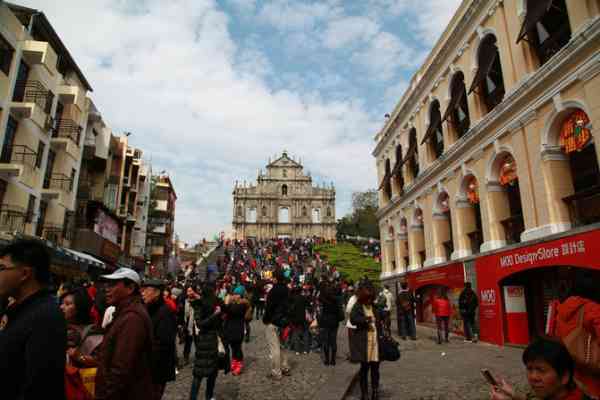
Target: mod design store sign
579	250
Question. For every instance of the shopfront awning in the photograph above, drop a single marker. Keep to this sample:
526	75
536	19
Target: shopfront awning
86	258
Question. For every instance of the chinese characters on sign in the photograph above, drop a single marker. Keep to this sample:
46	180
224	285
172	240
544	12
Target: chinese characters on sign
542	254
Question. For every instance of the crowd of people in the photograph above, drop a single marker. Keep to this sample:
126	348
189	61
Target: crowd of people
117	337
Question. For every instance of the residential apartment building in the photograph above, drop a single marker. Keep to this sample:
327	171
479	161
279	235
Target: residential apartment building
161	223
64	176
488	168
43	114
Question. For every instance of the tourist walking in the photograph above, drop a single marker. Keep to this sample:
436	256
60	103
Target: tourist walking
124	365
467	305
275	318
33	331
405	311
329	321
188	324
207	324
298	311
441	310
164	330
234	314
364	344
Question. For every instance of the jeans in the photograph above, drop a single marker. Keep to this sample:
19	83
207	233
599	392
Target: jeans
210	386
442	328
406	325
278	358
236	350
329	342
469	325
301	339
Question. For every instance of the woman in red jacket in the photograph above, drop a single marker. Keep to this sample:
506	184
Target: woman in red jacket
584	298
441	310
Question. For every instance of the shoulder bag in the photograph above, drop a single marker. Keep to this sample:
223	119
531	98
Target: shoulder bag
583	347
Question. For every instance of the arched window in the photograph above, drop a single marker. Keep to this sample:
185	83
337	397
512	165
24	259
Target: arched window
419	236
285	173
284	190
316	216
413	153
508	202
251	215
264	211
304	212
576	141
473	226
397	171
458	108
444	224
489	82
240	211
284	215
329	211
434	134
386	183
546	27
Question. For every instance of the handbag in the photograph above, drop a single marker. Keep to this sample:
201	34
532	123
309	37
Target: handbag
74	385
583	347
389	349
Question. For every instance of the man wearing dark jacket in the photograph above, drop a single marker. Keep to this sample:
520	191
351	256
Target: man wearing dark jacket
276	316
124	367
405	311
33	331
164	329
467	305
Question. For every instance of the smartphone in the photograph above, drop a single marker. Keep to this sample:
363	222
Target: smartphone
487	375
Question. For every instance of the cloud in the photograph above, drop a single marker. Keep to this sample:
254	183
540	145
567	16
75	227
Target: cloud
384	55
296	15
433	19
348	30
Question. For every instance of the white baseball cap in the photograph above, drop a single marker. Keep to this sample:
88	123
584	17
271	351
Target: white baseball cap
124	273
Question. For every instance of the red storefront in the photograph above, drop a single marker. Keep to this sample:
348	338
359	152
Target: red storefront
427	283
516	286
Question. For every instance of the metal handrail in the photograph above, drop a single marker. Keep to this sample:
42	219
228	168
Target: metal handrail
61	182
20	154
53	233
69	129
12	218
32	91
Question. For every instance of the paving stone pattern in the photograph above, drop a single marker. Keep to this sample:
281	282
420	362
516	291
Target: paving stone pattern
309	376
428	371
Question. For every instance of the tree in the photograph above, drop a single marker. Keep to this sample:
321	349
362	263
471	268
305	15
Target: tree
362	221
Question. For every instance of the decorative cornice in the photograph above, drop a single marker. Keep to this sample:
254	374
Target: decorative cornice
466	146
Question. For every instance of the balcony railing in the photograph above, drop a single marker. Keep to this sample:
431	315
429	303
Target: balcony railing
12	218
54	234
68	129
476	239
584	206
33	92
59	182
513	227
19	154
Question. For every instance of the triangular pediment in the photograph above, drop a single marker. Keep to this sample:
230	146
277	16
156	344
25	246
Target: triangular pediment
284	162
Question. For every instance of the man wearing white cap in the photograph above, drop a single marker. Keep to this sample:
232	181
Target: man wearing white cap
124	370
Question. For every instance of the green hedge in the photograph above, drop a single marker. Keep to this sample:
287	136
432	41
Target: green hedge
349	261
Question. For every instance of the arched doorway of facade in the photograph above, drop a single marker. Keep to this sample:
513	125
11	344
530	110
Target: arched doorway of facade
571	167
457	112
417	239
403	245
398	181
425	296
528	295
468	217
442	225
489	81
505	198
390	250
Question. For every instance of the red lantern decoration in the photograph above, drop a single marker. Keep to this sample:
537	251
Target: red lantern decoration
473	190
574	133
508	171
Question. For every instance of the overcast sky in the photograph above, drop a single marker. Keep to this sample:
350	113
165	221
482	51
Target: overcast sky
211	89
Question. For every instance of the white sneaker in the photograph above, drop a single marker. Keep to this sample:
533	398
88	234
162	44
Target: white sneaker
297	353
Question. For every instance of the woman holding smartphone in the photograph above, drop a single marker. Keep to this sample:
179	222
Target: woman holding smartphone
364	341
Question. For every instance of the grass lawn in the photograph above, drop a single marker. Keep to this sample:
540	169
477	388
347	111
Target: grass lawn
348	259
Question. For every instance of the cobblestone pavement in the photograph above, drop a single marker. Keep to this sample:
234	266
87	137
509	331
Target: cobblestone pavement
428	371
308	375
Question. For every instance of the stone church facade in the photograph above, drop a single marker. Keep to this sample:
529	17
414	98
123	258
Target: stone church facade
283	203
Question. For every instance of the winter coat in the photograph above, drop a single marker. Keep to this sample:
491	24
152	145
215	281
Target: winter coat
164	331
125	365
298	307
467	302
566	320
207	325
359	338
405	302
441	307
276	309
233	327
330	313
